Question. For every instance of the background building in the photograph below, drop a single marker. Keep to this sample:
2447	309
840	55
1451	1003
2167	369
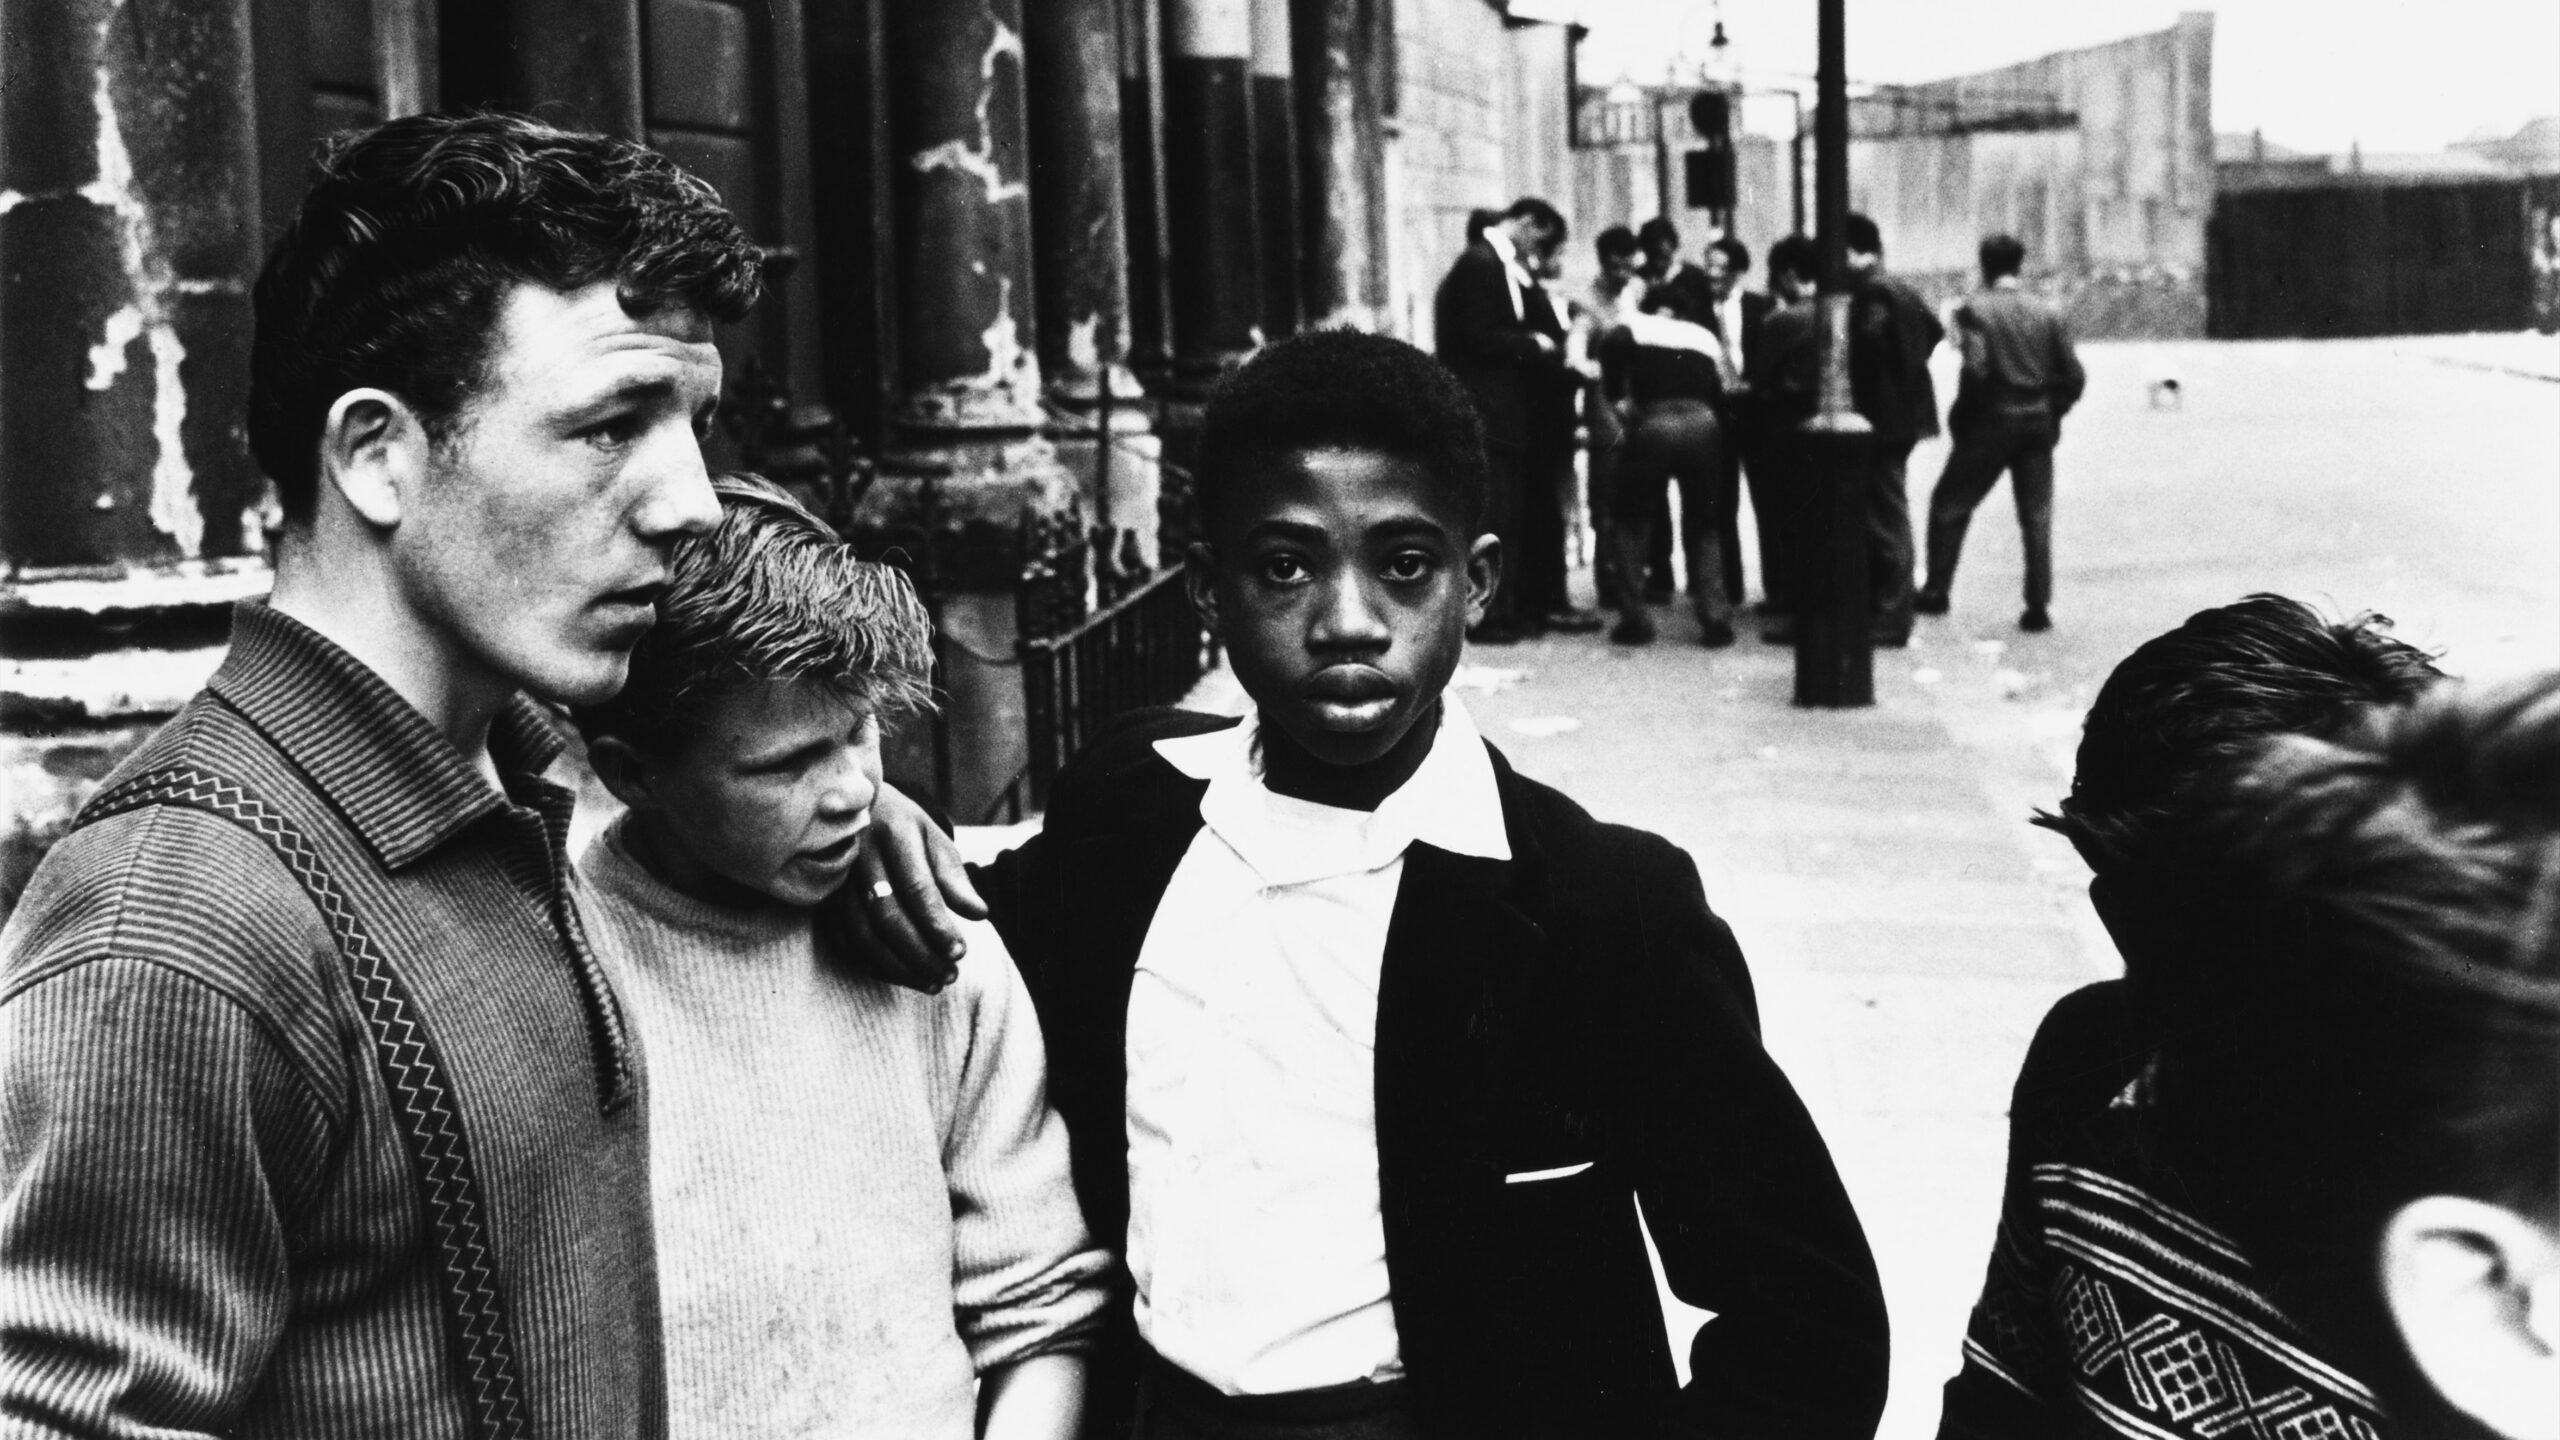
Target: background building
2100	160
1014	244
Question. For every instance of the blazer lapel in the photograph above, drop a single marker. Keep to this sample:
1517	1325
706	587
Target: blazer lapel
1461	953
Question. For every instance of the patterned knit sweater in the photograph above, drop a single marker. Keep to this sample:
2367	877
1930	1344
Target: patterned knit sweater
2111	1309
862	1195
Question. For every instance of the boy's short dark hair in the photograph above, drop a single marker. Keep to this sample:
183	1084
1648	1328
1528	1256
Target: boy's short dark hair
1541	214
2002	255
1793	255
1617	240
770	594
1861	234
2385	1029
393	273
2188	704
1736	254
1659	233
1342	390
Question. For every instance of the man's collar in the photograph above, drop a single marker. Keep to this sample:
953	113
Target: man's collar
1498	239
1452	801
401	784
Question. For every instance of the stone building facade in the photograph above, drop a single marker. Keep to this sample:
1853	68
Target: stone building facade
993	219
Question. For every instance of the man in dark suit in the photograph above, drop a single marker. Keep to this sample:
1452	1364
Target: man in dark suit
1891	332
1493	329
1776	400
1368	1047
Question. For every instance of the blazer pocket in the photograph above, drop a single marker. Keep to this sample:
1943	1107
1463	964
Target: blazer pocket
1532	1177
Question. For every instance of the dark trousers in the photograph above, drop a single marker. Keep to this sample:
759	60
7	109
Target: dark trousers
1776	495
1889	534
1721	512
1502	517
1678	440
1724	510
2022	446
1174	1405
1600	493
1658	546
1538	566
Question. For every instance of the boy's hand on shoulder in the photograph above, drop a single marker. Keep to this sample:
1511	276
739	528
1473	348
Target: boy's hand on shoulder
898	916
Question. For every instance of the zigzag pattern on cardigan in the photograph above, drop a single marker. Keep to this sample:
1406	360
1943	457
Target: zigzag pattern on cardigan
483	1351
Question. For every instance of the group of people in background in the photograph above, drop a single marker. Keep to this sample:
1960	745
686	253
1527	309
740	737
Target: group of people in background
1312	1075
1671	374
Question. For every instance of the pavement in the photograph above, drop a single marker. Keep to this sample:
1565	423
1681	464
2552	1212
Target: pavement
1906	925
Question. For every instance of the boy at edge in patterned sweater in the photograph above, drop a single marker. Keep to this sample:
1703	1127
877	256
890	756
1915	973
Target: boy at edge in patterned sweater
1370	1048
861	1192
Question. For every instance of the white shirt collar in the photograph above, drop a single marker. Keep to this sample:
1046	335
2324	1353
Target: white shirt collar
1451	802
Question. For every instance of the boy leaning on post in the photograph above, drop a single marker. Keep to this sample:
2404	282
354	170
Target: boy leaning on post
1370	1048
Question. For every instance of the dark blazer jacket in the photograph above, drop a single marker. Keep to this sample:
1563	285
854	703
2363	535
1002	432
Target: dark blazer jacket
1576	1003
1492	351
1756	305
1891	332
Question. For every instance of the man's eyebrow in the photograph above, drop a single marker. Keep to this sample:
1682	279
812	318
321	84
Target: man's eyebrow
1304	531
637	389
1402	526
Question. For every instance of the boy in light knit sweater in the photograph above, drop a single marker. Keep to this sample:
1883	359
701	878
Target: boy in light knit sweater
862	1195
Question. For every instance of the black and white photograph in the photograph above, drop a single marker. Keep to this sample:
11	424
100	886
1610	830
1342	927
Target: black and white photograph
1279	720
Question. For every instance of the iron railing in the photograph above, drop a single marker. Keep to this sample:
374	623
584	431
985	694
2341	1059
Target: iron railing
1145	648
1098	633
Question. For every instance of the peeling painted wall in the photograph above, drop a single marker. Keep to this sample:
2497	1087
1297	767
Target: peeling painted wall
964	218
128	241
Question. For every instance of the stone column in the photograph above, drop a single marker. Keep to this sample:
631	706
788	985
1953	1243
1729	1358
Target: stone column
1275	169
1209	187
1080	246
966	464
129	237
1142	166
1342	160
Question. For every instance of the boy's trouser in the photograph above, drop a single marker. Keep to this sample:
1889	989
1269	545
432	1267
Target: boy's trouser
1600	490
1502	517
1775	493
2022	446
1683	440
1173	1404
1889	534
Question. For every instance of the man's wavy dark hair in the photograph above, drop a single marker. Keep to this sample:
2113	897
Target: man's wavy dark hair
1342	390
2187	704
393	273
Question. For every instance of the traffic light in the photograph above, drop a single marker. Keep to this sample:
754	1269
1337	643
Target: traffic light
1708	172
1709	177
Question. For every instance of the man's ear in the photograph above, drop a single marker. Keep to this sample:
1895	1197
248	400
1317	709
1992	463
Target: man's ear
372	451
2474	1290
1484	576
1200	582
624	771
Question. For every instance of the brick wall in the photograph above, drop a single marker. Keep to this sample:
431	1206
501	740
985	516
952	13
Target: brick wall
1482	118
